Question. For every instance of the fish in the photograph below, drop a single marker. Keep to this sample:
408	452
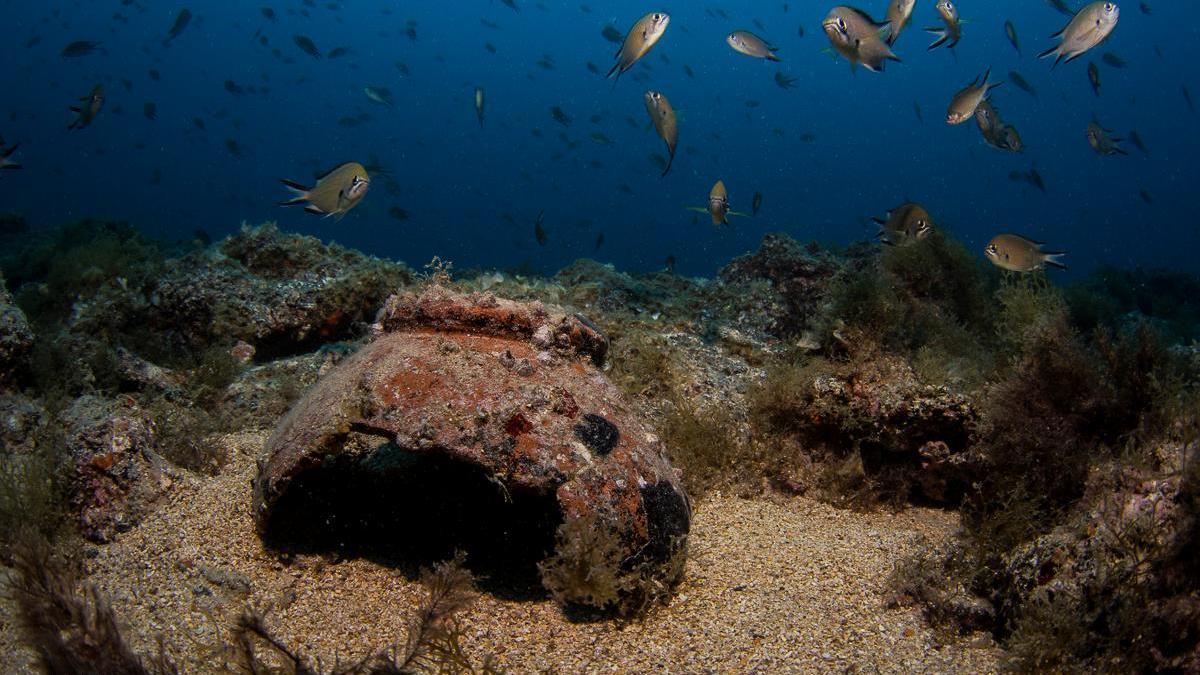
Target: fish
1136	139
1145	196
963	105
640	39
1113	60
1061	7
1022	84
1010	139
268	13
599	241
718	205
951	33
784	81
669	263
857	37
612	34
1102	140
1187	97
235	148
1145	8
898	14
559	116
1035	178
745	42
987	117
756	203
905	224
1015	253
6	162
511	4
599	138
91	105
337	52
307	46
150	110
917	111
479	103
181	22
397	213
1088	28
334	194
80	48
1010	31
380	95
539	232
665	124
1093	74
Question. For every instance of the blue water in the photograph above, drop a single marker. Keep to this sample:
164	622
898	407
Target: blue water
473	194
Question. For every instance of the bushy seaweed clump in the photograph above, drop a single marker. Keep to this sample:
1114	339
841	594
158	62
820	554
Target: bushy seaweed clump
1115	299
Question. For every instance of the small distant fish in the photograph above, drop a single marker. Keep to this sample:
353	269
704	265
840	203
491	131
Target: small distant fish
334	194
663	116
1035	178
745	42
599	241
1093	74
756	203
380	95
917	110
181	22
90	107
234	88
1145	8
1136	139
1102	140
80	48
150	110
898	14
611	34
397	213
236	149
511	4
856	37
307	46
951	33
800	31
337	52
905	224
669	263
1145	196
963	105
539	232
559	116
640	39
1187	97
1113	60
479	103
198	123
6	162
1061	7
1088	28
1021	83
154	75
1015	253
599	138
1010	31
784	81
268	13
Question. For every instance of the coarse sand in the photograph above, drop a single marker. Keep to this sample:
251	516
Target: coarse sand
771	585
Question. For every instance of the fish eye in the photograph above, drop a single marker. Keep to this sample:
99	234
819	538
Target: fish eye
841	24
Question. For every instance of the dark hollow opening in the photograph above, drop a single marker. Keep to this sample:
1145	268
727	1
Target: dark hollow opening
409	510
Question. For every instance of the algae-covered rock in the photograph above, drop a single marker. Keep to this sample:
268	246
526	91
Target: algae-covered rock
799	274
16	338
500	409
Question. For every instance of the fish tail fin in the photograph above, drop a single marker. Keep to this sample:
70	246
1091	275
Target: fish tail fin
670	161
299	192
1051	258
9	153
737	213
771	57
1051	52
943	36
878	221
615	67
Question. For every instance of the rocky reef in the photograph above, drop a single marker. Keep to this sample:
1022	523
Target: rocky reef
563	431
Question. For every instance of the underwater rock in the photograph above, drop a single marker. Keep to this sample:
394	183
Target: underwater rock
499	398
799	274
16	339
281	294
117	474
20	420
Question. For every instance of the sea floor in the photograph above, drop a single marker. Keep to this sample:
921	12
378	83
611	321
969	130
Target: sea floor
773	584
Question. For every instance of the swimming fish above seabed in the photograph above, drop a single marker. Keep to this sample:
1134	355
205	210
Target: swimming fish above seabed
907	223
898	14
335	193
1015	253
718	205
1088	28
479	103
1102	140
663	116
639	41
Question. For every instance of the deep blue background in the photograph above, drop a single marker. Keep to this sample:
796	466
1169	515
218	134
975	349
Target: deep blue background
458	181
